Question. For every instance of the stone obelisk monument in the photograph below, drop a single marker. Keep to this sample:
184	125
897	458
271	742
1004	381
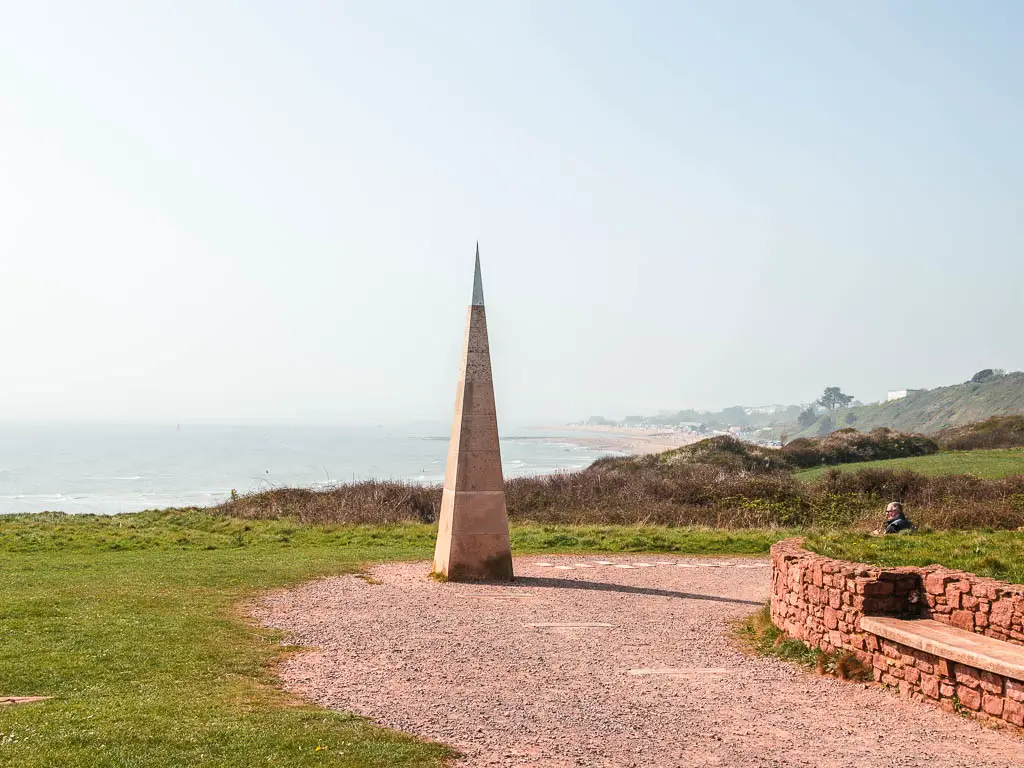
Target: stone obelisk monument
472	535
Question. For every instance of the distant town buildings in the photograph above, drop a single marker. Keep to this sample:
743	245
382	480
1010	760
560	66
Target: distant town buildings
764	410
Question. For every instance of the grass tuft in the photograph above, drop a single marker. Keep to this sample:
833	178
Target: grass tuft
759	634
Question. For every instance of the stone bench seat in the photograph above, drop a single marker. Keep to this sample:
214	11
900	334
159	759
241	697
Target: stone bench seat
948	642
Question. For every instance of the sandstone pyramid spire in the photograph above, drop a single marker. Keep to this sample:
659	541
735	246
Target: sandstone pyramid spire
472	535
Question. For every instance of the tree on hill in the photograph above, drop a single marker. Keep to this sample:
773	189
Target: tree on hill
987	374
807	417
833	398
734	416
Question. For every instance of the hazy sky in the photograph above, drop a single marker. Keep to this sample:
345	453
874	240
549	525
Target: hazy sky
260	211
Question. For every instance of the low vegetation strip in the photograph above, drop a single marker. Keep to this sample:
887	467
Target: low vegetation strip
988	464
718	483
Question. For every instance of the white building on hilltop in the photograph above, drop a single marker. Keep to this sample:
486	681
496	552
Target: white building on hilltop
899	394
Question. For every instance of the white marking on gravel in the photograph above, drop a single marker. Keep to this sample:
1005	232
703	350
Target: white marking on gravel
623	565
500	597
568	625
681	671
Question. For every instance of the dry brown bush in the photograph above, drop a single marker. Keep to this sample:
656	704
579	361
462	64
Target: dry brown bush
667	493
847	446
997	432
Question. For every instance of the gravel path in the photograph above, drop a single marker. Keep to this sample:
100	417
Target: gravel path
649	677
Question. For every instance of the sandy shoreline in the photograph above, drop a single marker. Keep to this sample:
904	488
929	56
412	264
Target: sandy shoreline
632	440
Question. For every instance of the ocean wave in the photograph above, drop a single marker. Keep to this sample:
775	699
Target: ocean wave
109	478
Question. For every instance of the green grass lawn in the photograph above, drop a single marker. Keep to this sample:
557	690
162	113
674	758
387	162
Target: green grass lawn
988	464
999	554
133	624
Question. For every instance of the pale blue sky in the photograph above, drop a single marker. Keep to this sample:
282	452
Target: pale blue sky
259	211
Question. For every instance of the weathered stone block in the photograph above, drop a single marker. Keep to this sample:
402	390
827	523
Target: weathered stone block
967	676
1013	711
962	620
1015	690
935	583
930	686
992	705
969	697
479	471
831	619
991	682
953	596
1001	614
874	588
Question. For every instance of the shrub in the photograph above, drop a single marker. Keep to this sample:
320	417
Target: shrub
847	446
996	432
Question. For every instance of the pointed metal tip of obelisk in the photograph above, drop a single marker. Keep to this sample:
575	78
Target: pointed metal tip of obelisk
478	284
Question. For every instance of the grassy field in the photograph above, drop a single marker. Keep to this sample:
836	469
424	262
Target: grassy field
999	554
132	624
990	464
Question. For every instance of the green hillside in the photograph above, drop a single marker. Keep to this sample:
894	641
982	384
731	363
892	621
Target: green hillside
931	410
988	464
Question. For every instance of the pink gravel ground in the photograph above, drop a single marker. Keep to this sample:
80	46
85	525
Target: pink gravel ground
664	685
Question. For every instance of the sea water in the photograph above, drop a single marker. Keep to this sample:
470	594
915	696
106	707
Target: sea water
112	469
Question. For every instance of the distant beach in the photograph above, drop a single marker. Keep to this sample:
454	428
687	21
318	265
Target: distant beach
630	440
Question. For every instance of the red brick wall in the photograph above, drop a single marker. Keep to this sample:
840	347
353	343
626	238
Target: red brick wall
976	604
821	601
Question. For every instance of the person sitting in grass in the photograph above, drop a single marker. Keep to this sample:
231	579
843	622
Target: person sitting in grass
895	520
